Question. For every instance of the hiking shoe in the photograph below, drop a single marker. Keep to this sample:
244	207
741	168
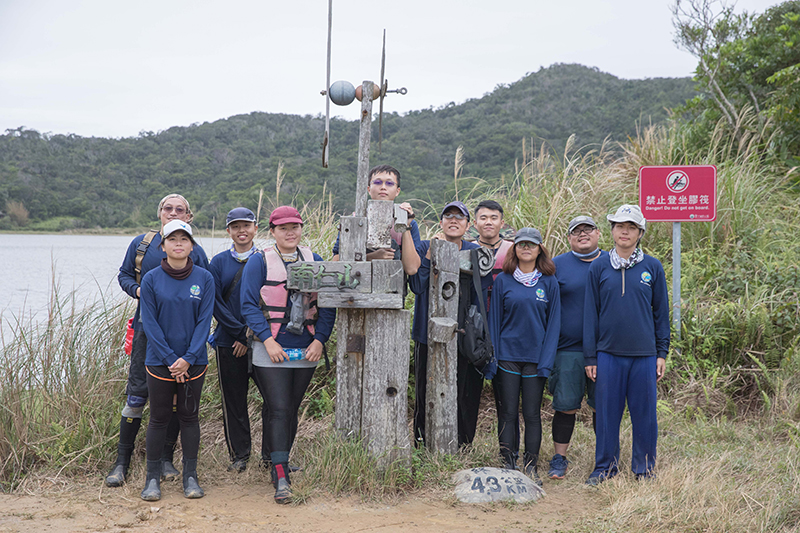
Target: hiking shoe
645	477
191	489
283	491
116	478
168	471
558	467
238	466
594	481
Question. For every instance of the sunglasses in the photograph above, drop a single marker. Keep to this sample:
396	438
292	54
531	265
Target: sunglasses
457	216
178	209
526	244
380	183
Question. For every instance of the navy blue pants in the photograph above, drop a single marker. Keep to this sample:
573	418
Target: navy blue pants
620	379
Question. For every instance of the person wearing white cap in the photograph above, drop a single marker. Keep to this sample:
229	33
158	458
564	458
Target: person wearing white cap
177	307
144	254
626	334
568	383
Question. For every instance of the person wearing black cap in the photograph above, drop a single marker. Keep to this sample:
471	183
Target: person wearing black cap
230	337
177	307
524	321
144	254
568	383
626	335
454	223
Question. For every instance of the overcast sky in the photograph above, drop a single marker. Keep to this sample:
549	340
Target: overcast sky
113	69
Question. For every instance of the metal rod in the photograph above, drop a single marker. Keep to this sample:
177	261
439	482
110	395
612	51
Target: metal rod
676	278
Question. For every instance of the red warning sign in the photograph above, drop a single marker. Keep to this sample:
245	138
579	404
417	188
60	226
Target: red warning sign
678	194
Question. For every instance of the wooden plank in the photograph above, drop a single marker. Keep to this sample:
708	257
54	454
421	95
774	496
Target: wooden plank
380	219
384	416
349	373
441	329
400	219
441	423
387	277
357	300
364	134
330	276
352	239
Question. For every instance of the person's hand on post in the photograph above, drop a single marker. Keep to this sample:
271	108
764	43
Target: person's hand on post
275	351
383	253
405	206
239	349
179	370
314	351
661	368
591	372
439	236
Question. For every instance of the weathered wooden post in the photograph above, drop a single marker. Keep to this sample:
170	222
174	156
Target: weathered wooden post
441	422
372	327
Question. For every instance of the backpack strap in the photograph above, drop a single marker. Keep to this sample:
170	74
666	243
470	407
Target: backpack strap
140	251
476	281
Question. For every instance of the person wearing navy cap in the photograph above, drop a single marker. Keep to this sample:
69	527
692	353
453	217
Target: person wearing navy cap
524	323
626	335
454	223
230	337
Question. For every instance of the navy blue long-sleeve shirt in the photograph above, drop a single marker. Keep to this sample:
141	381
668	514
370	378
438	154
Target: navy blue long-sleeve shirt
633	325
176	316
231	325
572	274
253	277
420	284
524	322
152	259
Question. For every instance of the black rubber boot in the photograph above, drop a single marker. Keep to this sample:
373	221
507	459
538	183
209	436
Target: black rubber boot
532	468
128	428
152	485
282	484
191	488
169	472
509	460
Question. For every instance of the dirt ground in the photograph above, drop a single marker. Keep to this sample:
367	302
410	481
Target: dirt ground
235	507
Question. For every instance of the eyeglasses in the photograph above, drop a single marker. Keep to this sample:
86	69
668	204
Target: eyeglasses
577	232
380	183
457	216
527	244
169	209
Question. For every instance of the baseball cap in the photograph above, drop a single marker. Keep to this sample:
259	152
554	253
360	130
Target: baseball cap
177	225
461	207
528	235
285	214
240	214
582	219
629	213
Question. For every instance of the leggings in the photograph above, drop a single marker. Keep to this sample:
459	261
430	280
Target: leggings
162	392
507	385
283	390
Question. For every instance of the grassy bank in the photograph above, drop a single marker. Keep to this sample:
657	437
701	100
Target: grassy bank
729	407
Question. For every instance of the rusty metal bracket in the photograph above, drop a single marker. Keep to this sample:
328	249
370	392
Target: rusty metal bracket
356	343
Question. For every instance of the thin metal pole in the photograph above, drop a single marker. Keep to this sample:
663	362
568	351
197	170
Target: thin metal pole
676	278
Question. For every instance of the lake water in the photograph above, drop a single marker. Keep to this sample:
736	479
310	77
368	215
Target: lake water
84	266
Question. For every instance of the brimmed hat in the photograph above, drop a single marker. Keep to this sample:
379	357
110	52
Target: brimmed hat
240	214
581	220
285	214
461	207
629	213
528	235
177	225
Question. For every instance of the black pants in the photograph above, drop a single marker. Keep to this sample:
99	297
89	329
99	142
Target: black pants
469	384
162	390
283	390
137	377
234	379
508	386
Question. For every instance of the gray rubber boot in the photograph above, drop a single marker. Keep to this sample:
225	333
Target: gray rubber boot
152	485
191	488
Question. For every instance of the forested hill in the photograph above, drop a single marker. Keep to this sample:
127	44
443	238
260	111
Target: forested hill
118	182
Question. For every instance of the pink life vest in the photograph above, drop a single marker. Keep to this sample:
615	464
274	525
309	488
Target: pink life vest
274	296
500	257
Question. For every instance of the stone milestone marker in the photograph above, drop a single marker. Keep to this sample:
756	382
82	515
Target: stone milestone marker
373	332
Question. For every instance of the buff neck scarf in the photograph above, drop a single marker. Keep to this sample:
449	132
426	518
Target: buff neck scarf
618	262
530	279
590	255
243	257
178	273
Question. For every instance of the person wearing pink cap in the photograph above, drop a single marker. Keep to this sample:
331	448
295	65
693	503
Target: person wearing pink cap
289	336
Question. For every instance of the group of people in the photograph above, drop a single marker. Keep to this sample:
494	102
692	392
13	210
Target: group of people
569	321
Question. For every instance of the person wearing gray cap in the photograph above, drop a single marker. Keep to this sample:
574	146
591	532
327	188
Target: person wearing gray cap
454	222
626	334
568	383
524	321
230	337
